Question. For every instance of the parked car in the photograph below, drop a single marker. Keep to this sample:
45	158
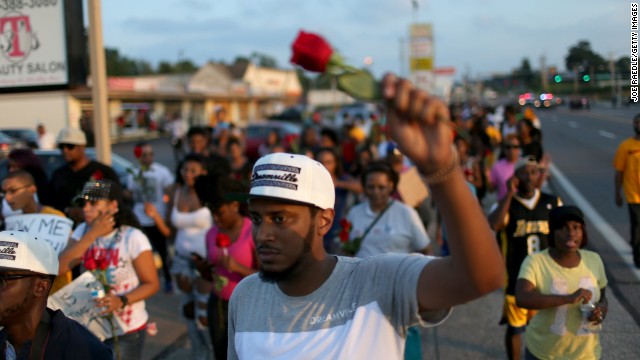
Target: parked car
26	135
52	159
257	132
8	143
579	102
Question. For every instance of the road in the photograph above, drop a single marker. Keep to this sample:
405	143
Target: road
582	144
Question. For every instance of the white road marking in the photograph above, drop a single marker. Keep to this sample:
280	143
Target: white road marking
606	134
573	124
616	241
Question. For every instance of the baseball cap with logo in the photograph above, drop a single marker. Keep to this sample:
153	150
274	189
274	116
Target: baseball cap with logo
72	136
103	189
20	250
291	178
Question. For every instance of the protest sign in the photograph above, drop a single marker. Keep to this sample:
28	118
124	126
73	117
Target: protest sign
53	229
411	187
76	302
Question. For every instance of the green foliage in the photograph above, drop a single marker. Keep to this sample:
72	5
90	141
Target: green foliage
583	58
119	65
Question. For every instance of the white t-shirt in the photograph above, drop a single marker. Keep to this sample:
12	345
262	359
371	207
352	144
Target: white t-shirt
399	230
150	187
125	245
46	141
362	311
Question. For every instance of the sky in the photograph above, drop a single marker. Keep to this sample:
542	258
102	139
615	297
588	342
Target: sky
478	38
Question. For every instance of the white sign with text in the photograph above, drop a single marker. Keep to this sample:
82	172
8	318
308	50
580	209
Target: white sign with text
53	229
76	301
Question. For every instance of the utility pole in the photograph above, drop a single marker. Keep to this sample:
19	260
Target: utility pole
99	84
543	74
403	60
612	70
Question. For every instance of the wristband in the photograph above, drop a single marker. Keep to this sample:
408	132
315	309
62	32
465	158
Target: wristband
125	301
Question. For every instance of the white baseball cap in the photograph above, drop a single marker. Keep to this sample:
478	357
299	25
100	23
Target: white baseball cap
72	136
20	250
291	178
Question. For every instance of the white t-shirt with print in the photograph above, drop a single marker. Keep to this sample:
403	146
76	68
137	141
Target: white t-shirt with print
149	188
399	230
126	244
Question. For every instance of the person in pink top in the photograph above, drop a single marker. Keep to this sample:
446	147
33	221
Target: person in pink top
503	169
231	253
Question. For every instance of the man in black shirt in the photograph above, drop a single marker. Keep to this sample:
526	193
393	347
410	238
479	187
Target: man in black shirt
68	180
28	266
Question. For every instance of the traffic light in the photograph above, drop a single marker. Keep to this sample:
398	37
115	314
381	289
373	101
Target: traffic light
586	78
558	78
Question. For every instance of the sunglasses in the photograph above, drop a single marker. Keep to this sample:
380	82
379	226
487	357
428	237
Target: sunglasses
512	147
66	146
4	278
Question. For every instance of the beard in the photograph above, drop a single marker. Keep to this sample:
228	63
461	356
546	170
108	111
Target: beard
636	129
288	273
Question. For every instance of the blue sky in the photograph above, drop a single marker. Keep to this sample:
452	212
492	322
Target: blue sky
476	37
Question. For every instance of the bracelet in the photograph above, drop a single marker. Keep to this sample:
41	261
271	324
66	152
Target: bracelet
444	173
124	300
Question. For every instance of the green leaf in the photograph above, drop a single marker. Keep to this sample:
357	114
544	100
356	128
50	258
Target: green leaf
360	85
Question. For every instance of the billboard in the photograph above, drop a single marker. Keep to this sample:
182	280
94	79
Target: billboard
41	44
421	55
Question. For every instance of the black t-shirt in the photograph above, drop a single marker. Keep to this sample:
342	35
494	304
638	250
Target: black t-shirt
525	233
66	183
67	340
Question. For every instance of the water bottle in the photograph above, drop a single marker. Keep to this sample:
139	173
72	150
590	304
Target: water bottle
586	310
97	292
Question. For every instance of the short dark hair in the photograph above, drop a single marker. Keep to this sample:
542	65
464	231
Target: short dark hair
380	166
197	130
339	170
331	134
21	175
211	191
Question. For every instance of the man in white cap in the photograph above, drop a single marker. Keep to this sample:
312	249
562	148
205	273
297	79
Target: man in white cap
28	266
67	180
305	303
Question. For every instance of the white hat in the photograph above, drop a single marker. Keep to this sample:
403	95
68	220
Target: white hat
524	161
292	178
72	136
20	250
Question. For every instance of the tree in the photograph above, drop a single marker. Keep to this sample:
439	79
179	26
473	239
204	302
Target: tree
623	66
264	60
165	67
584	59
525	73
185	66
119	65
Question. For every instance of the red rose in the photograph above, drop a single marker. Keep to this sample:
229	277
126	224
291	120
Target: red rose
103	264
223	240
137	151
90	264
344	236
311	52
97	175
345	224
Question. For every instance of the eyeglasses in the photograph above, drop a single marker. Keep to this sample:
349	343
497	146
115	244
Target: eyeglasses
4	278
66	146
13	191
